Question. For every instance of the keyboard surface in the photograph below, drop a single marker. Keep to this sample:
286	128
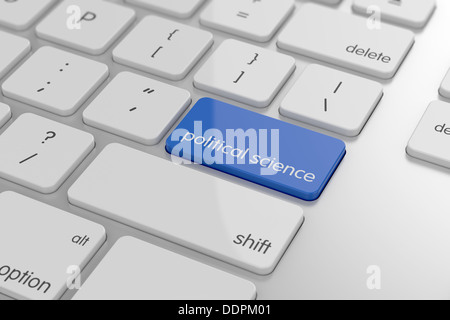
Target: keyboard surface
382	210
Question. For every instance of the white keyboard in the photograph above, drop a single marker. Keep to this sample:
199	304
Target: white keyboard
91	90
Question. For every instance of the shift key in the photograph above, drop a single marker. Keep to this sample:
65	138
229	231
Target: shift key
353	42
218	218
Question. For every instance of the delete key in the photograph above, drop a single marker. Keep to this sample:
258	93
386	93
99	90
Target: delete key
431	140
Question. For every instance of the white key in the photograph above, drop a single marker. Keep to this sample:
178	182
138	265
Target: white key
91	26
431	140
42	247
137	108
178	8
254	20
21	14
142	271
410	13
215	217
13	49
55	80
5	114
444	90
346	40
164	48
41	154
245	73
332	100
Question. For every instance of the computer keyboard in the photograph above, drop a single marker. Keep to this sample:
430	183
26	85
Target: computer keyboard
100	97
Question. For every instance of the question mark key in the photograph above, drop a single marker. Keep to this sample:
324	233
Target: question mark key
40	154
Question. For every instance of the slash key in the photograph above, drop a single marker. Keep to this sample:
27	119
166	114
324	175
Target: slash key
41	154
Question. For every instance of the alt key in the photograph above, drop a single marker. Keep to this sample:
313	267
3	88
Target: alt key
431	140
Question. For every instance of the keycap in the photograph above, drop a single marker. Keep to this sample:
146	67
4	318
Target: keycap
55	80
5	114
347	41
91	26
164	48
41	154
13	50
21	14
431	140
42	248
409	13
254	20
257	148
215	217
137	108
245	73
178	8
142	271
332	100
444	90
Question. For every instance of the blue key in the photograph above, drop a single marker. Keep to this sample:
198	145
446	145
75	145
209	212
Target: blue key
257	148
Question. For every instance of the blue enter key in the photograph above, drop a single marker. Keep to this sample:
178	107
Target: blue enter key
257	148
